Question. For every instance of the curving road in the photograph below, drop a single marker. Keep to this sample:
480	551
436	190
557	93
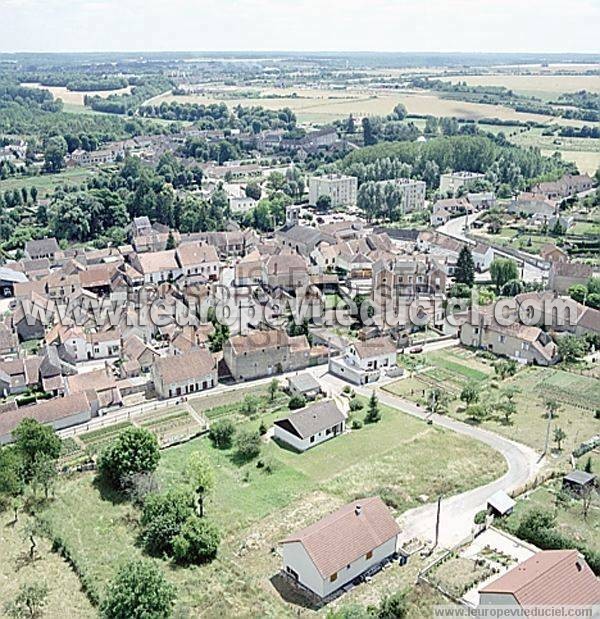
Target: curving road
457	512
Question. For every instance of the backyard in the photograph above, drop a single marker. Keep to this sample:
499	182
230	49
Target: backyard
399	458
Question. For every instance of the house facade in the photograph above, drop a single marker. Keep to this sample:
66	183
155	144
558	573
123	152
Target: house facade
330	553
179	375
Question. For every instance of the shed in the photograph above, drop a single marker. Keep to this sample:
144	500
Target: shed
305	385
500	504
578	481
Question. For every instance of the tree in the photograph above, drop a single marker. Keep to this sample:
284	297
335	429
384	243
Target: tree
571	347
249	405
139	590
44	473
559	436
478	412
29	602
221	433
11	478
399	112
253	190
373	413
350	125
437	401
200	475
393	606
323	203
273	389
465	267
247	444
170	241
163	516
297	401
588	465
502	270
512	288
135	450
34	440
197	542
470	394
578	292
368	136
54	153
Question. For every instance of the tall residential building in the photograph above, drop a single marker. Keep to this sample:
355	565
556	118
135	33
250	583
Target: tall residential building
341	189
453	181
413	193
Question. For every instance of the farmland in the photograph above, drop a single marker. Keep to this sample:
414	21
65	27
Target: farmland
73	100
46	183
544	86
322	106
399	457
452	369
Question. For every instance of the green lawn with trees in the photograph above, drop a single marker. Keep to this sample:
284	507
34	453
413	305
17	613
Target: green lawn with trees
210	510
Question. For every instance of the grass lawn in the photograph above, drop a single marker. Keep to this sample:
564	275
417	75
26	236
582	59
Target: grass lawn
255	509
577	395
458	574
569	516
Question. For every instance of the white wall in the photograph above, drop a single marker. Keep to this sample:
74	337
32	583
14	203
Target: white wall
296	557
303	444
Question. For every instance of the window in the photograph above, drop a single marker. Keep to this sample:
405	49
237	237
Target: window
312	439
333	577
369	555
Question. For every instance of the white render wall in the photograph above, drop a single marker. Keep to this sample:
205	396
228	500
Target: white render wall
296	557
303	444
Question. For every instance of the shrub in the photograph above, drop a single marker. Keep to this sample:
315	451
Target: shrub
221	433
135	450
357	424
480	516
197	542
247	444
137	591
163	516
296	401
356	405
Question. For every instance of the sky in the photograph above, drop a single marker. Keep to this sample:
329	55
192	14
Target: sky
301	25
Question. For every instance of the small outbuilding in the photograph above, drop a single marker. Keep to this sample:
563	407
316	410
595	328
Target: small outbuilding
305	385
500	504
578	481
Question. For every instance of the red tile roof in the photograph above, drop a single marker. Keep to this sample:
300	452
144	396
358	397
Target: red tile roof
550	577
344	536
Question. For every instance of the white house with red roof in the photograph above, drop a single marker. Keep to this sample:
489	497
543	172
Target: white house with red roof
335	550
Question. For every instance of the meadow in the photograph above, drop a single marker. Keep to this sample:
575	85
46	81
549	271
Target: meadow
400	458
73	100
46	183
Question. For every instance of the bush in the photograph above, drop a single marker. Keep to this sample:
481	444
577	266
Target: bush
135	450
356	405
138	590
357	424
221	433
197	542
296	401
248	444
163	516
480	516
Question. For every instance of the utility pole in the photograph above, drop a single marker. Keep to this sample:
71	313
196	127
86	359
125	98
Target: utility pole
437	522
548	431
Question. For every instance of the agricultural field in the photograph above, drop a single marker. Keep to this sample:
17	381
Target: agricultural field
322	106
451	369
400	457
546	87
46	183
73	100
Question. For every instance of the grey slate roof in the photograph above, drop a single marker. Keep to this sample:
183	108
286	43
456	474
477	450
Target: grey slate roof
312	419
304	382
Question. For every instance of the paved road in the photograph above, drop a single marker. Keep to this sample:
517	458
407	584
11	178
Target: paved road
457	512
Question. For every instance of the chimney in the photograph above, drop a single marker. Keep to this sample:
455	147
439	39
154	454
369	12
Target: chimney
358	509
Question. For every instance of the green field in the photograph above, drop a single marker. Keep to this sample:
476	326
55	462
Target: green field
399	457
46	183
452	368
